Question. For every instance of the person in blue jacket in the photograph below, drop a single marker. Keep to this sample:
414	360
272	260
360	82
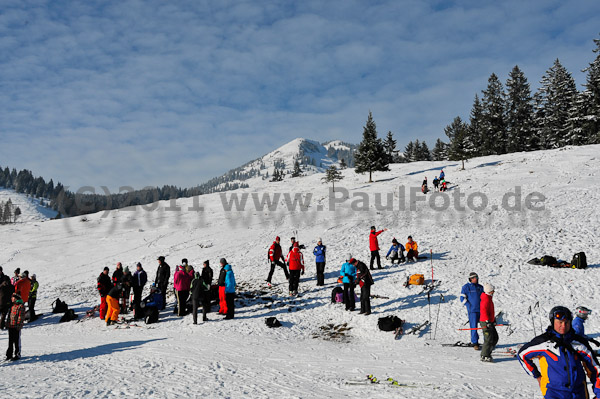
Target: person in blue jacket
319	253
564	359
229	290
470	297
152	305
348	274
581	315
396	252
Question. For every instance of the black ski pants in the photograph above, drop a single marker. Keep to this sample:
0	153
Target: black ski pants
349	300
280	264
320	273
229	300
14	342
294	280
182	297
365	299
375	255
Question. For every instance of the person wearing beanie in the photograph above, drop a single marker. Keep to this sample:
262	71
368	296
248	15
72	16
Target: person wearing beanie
138	281
487	320
16	276
365	281
23	287
436	183
470	296
295	260
117	276
151	305
227	288
32	298
127	283
320	258
163	273
6	291
412	252
182	281
15	321
564	359
374	247
221	284
348	274
396	252
114	308
293	240
275	258
104	284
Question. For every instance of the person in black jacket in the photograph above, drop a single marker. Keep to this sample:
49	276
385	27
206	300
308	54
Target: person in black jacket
162	278
365	280
104	286
201	291
127	281
6	291
138	281
117	276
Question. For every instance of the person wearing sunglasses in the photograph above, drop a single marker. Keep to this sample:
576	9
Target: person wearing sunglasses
564	359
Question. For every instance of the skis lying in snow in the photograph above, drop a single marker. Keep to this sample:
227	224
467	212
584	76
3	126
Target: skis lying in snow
418	328
427	288
460	344
371	379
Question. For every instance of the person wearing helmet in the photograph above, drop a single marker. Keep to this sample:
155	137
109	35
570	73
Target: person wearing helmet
564	359
470	296
487	320
581	315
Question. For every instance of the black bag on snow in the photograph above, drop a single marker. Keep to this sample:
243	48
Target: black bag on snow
68	316
272	322
579	260
334	292
59	306
389	323
548	260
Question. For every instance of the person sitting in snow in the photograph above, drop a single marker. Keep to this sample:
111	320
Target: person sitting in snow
396	252
152	304
412	253
443	186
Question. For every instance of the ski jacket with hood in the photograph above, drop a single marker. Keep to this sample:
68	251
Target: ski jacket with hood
470	296
182	279
486	308
373	241
348	272
295	259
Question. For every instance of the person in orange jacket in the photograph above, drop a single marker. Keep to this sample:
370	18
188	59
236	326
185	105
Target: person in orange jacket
411	250
295	260
23	286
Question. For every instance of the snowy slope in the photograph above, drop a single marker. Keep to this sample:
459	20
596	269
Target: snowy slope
243	358
31	210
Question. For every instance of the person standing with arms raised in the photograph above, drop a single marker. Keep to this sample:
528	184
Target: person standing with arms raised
374	247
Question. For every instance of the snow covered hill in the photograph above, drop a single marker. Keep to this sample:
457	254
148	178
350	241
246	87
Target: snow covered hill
478	226
31	208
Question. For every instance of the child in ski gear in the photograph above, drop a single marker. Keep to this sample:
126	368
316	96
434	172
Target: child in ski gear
436	183
295	260
151	305
374	247
412	250
581	315
396	252
201	291
443	186
470	297
112	299
15	322
564	357
181	282
365	280
348	272
163	273
138	281
276	258
104	286
487	320
117	277
319	253
33	297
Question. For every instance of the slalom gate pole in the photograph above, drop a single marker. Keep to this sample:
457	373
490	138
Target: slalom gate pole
429	301
431	256
481	328
438	315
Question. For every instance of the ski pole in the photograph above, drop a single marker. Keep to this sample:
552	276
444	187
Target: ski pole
537	305
429	301
438	315
431	253
480	328
532	321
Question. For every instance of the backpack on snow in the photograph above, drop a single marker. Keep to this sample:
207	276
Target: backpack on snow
68	316
548	260
59	306
416	279
334	292
579	261
389	323
272	322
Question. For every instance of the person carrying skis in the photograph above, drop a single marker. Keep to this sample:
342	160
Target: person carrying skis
104	284
117	276
295	260
424	188
151	305
33	297
138	281
276	258
436	183
374	247
163	273
581	315
181	282
412	252
365	281
348	272
487	320
564	357
470	296
15	321
396	252
319	253
112	299
6	291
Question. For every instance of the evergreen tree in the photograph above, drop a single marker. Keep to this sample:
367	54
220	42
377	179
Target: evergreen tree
17	213
297	171
555	102
439	151
424	153
390	146
476	127
332	175
409	152
370	155
591	125
493	126
459	148
519	112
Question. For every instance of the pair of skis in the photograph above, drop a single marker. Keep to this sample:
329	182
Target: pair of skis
413	330
371	379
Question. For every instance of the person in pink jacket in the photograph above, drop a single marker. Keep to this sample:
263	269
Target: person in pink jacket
181	282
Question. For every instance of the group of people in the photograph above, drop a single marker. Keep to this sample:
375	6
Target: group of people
15	292
563	351
439	183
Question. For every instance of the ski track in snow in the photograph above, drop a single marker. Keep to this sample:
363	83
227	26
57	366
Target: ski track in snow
244	358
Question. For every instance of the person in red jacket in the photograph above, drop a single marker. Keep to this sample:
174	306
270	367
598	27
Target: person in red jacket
296	261
276	258
487	320
374	247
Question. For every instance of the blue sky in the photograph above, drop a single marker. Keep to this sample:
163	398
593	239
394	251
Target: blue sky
137	93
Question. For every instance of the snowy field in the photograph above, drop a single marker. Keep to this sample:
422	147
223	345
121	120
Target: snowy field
242	358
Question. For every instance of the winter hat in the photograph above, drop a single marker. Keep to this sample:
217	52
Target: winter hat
161	258
488	288
106	269
18	270
410	237
372	227
138	264
348	257
119	264
33	276
126	270
223	261
296	244
184	261
206	262
277	238
473	275
394	241
26	273
352	261
319	240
